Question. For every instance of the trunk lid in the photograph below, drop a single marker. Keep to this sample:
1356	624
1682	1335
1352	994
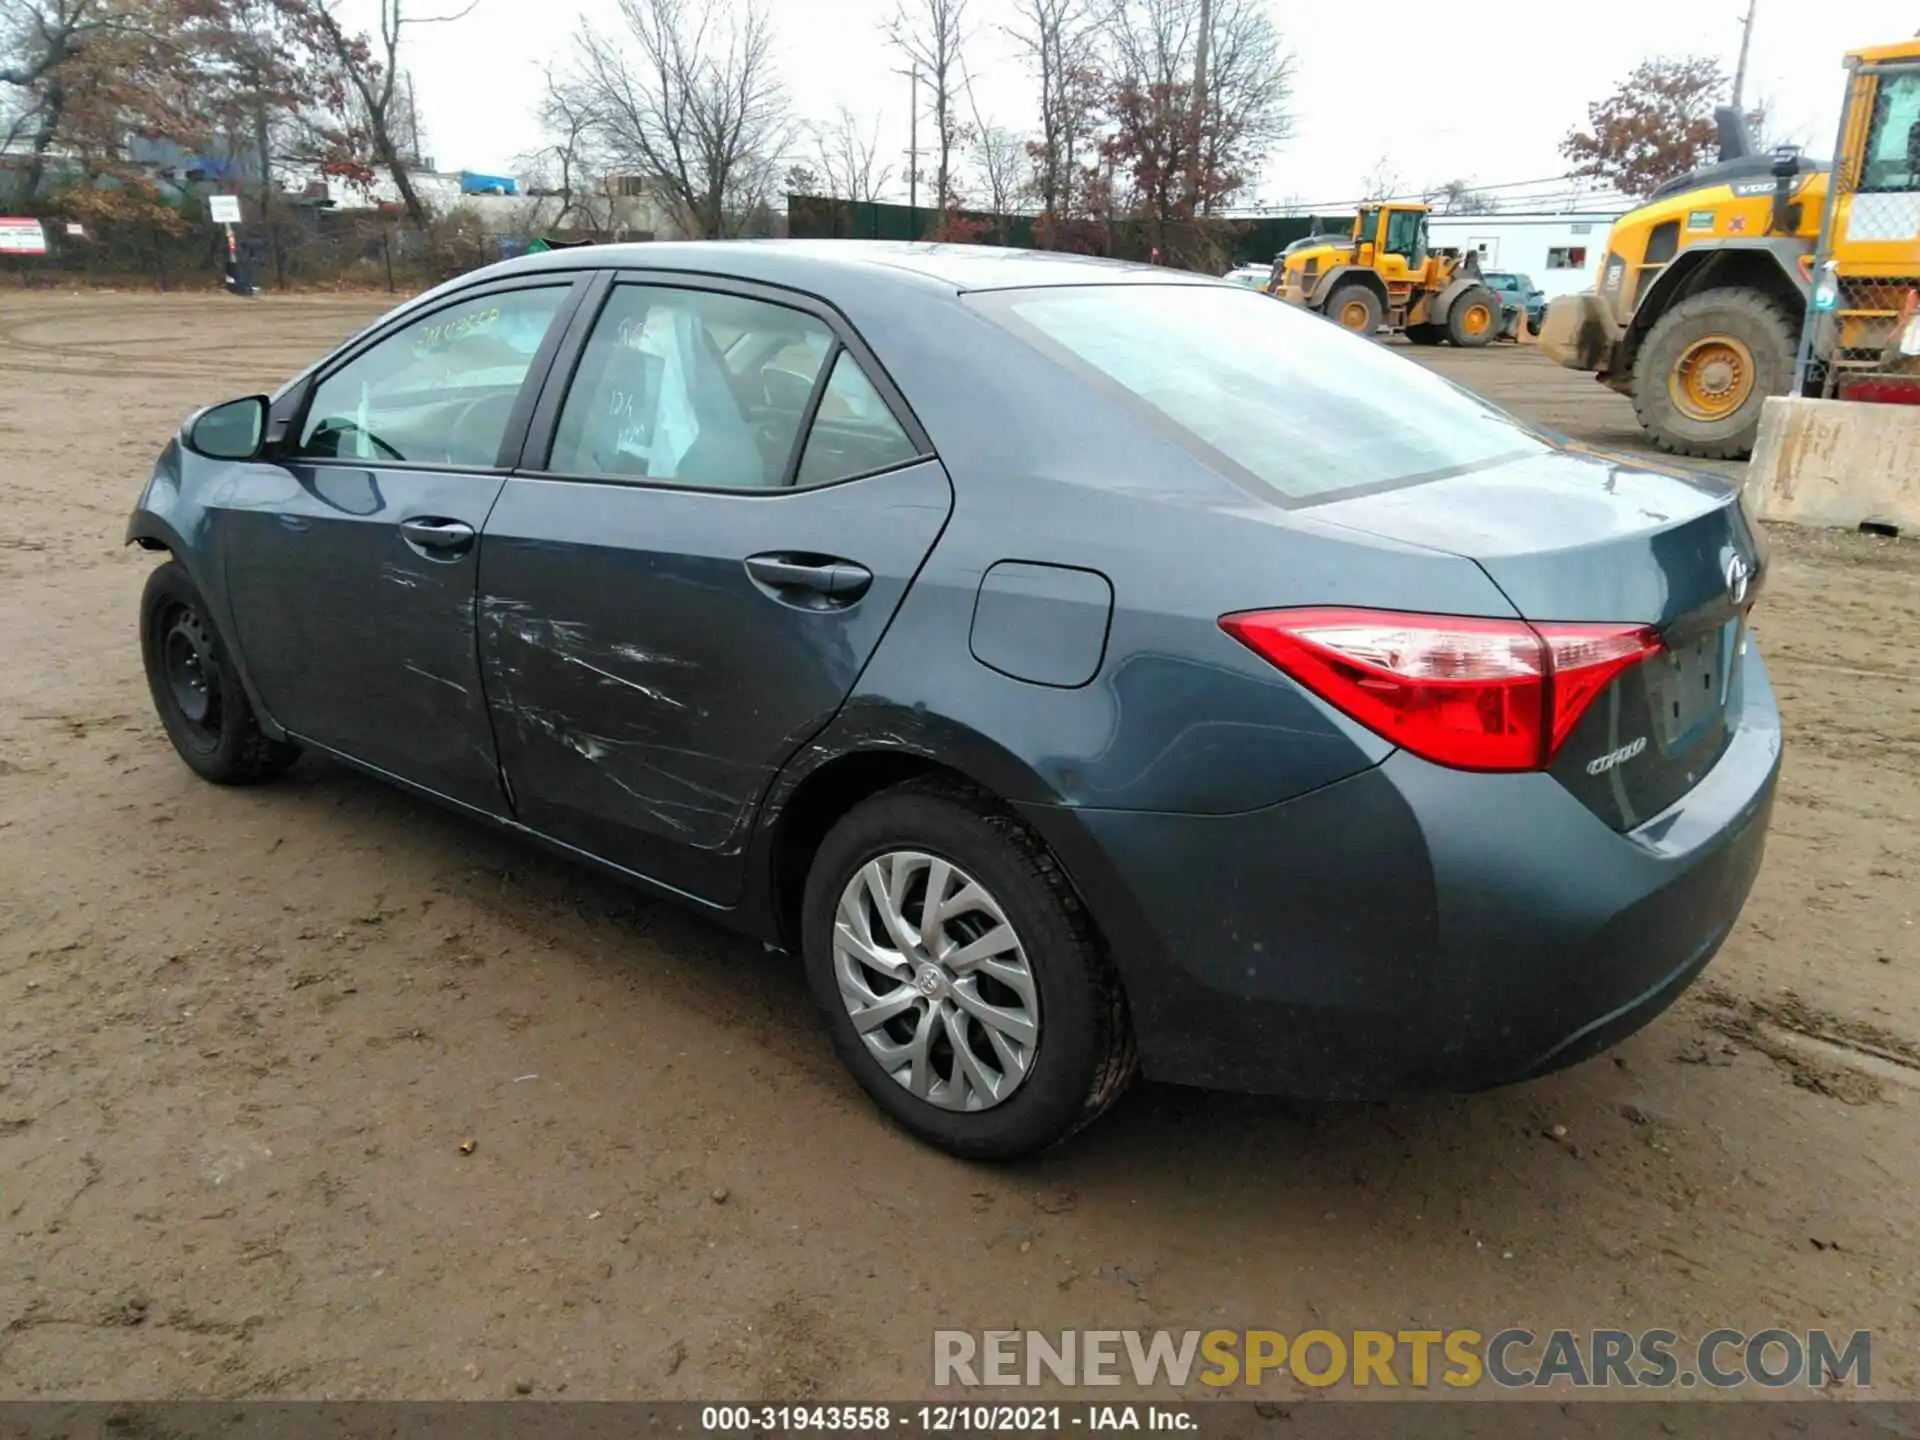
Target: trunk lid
1578	535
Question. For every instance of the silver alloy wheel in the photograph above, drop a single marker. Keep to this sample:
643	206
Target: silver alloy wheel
936	981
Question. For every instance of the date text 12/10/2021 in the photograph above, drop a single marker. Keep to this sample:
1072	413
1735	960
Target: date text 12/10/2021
944	1419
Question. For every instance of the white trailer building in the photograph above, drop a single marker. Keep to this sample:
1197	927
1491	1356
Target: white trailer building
1561	253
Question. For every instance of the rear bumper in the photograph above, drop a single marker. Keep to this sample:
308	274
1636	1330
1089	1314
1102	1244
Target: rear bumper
1414	928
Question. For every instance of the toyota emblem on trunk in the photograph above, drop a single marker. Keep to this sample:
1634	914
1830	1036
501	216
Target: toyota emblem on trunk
1738	574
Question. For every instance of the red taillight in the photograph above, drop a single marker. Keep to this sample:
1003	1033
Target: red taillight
1474	694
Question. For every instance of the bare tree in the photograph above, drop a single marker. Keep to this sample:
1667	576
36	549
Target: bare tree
1771	132
1459	197
1055	35
930	34
698	110
1153	40
373	71
1202	86
1382	182
1249	81
848	152
1000	159
565	170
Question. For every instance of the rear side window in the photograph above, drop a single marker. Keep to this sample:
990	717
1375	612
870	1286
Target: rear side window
697	387
853	431
691	387
1258	387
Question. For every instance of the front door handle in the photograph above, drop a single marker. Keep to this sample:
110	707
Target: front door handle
815	580
438	538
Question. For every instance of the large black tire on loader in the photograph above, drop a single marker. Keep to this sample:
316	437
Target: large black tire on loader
1474	318
1426	334
1354	307
1703	374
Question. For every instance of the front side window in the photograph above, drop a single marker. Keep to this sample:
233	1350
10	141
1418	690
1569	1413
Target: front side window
1300	405
1893	139
438	392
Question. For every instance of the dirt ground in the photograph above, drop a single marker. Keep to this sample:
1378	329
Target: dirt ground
243	1035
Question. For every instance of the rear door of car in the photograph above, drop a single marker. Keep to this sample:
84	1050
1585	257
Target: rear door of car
351	558
723	502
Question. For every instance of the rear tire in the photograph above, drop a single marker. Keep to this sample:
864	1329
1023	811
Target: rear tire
1355	308
1705	369
196	688
1049	970
1474	319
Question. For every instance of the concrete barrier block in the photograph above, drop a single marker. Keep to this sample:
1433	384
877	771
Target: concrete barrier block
1836	463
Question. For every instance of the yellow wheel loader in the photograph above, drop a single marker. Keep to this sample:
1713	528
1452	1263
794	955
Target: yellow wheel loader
1702	294
1386	274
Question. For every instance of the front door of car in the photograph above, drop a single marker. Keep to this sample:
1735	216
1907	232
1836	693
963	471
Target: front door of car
727	505
351	560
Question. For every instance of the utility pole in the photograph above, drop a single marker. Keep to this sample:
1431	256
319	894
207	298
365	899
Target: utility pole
1746	38
1196	125
413	126
913	145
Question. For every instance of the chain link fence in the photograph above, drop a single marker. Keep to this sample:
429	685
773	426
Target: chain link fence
1862	336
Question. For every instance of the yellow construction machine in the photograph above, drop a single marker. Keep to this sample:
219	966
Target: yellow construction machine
1385	273
1701	298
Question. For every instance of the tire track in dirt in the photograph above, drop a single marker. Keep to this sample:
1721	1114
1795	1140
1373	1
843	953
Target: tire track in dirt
20	352
192	354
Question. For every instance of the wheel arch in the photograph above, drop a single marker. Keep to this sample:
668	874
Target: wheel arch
1442	304
854	759
1771	267
1341	275
154	531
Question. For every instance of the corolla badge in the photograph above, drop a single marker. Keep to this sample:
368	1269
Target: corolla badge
1738	573
1618	757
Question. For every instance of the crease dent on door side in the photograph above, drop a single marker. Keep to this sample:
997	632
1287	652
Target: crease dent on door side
522	639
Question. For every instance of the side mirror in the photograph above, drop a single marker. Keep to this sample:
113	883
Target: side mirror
233	431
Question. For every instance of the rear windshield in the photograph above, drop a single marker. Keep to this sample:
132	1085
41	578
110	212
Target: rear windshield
1256	386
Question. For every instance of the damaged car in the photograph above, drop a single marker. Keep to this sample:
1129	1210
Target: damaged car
1084	668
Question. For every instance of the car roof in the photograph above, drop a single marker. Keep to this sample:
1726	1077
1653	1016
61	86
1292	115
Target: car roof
814	264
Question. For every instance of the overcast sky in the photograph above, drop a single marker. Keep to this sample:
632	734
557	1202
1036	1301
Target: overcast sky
1481	89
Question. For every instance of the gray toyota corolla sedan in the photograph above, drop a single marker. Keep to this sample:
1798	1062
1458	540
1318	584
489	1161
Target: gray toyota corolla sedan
1086	668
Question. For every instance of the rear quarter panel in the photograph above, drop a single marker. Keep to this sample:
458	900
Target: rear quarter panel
1178	716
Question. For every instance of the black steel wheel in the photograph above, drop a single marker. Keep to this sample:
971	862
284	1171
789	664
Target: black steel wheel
197	692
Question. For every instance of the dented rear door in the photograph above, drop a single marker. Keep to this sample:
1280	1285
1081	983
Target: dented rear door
678	598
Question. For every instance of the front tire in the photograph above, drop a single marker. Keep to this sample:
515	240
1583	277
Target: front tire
1474	318
962	980
1355	308
196	689
1704	372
